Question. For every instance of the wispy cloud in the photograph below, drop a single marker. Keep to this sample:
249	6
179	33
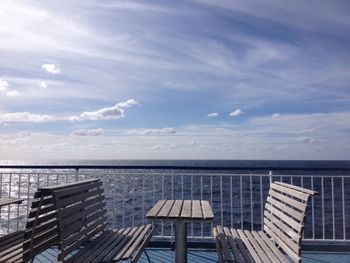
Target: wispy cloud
110	113
25	117
163	131
88	132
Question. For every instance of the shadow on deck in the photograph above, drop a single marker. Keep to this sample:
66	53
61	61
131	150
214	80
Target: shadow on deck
158	255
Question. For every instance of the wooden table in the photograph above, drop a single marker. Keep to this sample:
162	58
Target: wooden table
10	200
181	212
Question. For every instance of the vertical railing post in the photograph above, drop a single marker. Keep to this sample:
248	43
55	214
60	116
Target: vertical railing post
270	174
77	174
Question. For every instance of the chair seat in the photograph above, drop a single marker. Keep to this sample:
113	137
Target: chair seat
115	245
11	247
235	245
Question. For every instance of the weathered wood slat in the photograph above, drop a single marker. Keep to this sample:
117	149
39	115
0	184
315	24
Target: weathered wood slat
77	198
289	191
11	247
42	211
298	188
282	244
207	211
10	200
224	245
286	199
249	246
77	190
257	246
287	240
197	209
122	239
297	215
156	208
265	249
52	188
137	241
273	248
186	209
165	211
176	210
291	222
290	232
68	211
118	235
218	245
233	246
244	252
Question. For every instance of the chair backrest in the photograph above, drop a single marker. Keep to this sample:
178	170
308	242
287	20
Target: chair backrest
81	213
41	230
284	216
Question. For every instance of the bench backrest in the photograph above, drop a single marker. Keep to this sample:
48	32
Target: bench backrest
81	213
41	230
284	216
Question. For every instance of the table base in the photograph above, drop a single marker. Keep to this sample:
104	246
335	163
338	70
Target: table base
180	242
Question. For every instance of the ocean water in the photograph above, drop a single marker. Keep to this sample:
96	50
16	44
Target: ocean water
237	195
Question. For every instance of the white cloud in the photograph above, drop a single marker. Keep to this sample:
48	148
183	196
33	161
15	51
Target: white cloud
42	85
213	114
4	85
236	113
24	117
88	132
52	68
276	115
110	113
126	104
164	131
12	93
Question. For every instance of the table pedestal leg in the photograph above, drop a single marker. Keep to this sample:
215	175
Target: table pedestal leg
180	242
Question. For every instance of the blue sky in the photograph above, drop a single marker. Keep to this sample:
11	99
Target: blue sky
175	79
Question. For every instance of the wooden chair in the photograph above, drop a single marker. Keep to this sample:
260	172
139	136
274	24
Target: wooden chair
72	217
11	244
280	240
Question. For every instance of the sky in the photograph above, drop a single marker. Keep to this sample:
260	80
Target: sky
200	79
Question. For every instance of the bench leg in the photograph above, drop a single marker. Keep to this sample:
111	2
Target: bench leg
148	258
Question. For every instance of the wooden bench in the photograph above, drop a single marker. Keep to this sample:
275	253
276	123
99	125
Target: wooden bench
280	240
72	217
11	244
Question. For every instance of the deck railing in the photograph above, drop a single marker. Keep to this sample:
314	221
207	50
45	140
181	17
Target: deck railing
237	195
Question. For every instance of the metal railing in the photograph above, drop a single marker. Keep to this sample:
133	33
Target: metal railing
237	195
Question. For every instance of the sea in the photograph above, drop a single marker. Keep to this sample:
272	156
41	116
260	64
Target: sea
235	188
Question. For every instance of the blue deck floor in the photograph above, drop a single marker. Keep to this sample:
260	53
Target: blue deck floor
206	256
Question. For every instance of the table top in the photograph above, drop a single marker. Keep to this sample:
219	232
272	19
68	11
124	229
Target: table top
10	200
187	210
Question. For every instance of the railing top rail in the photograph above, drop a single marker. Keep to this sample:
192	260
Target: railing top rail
172	167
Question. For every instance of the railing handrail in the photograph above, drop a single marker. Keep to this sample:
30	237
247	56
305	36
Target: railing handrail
176	167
